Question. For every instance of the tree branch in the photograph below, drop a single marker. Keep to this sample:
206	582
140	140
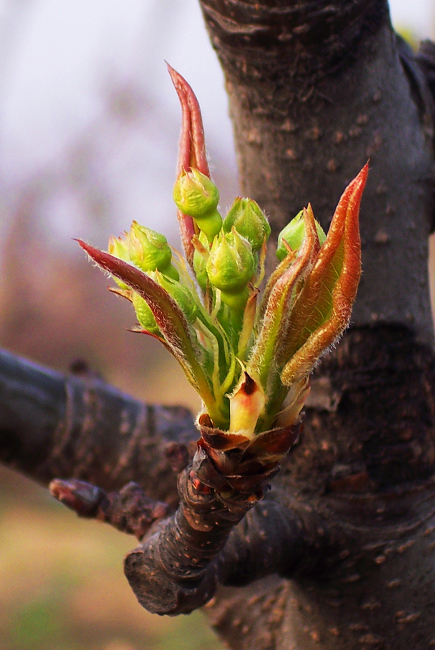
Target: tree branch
179	565
130	510
52	425
208	541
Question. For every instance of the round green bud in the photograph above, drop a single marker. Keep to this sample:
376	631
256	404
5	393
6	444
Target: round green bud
144	314
195	193
231	264
246	216
294	235
150	251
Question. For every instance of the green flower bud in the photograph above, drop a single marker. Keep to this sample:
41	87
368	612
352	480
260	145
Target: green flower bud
196	195
150	251
181	295
144	314
231	264
249	220
294	235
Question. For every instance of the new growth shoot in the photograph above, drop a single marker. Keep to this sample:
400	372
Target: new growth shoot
248	354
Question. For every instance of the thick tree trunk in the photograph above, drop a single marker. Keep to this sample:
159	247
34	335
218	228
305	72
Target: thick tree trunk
315	89
365	465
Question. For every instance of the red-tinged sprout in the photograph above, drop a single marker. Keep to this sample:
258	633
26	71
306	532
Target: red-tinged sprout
171	321
191	150
280	295
250	365
323	308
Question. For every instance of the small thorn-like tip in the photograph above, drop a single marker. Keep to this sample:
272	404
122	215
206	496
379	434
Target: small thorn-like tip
171	70
77	495
362	176
86	247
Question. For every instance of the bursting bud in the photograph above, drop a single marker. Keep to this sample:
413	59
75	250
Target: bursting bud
150	251
246	216
231	264
144	314
294	235
196	195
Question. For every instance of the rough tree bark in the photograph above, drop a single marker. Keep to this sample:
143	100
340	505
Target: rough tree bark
315	89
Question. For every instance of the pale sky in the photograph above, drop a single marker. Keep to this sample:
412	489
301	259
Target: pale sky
418	15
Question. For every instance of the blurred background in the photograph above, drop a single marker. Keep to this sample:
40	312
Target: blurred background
89	125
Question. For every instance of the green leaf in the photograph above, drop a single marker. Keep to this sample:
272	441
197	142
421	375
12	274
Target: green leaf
323	307
169	317
280	296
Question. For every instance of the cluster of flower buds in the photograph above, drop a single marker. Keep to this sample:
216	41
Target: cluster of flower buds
227	261
248	353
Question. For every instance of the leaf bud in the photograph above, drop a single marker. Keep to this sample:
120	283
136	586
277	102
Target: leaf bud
294	235
118	247
246	216
150	251
196	195
231	264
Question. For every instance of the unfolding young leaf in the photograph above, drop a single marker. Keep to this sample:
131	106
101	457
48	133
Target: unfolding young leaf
323	308
169	317
280	297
